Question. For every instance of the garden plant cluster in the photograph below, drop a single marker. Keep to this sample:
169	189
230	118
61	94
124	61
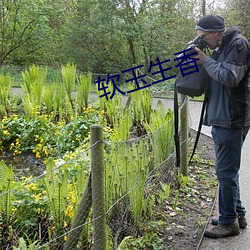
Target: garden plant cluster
52	121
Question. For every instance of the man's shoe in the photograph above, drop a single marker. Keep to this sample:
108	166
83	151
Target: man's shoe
241	219
221	231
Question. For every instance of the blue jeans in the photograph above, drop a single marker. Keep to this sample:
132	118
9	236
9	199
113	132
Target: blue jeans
228	145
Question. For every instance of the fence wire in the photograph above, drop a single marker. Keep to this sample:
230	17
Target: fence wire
41	210
44	210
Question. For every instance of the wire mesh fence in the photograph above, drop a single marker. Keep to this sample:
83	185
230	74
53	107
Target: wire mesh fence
45	211
57	209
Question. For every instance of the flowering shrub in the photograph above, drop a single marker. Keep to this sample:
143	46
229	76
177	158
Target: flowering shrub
43	137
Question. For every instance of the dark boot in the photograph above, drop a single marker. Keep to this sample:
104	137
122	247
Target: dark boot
241	219
221	231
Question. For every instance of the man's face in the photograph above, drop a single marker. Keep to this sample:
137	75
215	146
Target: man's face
211	38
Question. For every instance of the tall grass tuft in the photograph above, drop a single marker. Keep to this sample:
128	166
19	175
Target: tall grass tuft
5	89
48	98
141	109
56	183
114	110
161	128
33	86
83	90
68	74
126	173
6	184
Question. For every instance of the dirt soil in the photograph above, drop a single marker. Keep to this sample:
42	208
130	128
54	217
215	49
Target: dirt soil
187	222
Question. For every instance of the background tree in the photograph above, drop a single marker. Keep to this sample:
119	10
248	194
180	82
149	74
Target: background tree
237	12
103	36
21	25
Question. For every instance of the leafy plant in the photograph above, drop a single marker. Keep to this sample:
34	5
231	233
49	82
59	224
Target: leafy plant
30	208
22	245
83	90
114	110
141	110
43	137
5	90
48	98
147	241
161	126
164	191
6	184
34	81
68	74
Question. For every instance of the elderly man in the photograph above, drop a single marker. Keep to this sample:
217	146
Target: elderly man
228	112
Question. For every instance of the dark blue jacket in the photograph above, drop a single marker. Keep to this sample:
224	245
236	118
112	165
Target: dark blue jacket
228	103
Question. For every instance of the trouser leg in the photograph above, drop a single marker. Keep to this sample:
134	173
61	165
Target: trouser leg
228	144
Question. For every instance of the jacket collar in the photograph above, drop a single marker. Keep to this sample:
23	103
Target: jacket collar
231	32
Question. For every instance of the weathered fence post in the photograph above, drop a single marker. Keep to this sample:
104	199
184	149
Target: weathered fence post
80	218
184	135
98	195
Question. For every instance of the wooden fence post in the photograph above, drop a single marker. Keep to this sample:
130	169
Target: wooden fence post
98	195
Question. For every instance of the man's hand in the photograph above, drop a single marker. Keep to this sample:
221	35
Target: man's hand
201	56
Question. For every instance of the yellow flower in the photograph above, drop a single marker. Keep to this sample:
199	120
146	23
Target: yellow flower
37	196
69	211
6	132
45	151
38	155
73	199
14	209
16	152
31	187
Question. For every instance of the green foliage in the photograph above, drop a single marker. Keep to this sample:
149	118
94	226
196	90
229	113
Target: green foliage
123	124
141	109
34	81
126	172
147	241
43	137
161	126
176	199
30	206
101	36
114	110
164	191
184	181
23	25
127	161
6	184
68	74
57	188
83	90
5	90
48	98
29	245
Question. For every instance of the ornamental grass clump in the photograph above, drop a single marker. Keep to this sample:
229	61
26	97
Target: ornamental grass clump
34	80
83	91
5	90
160	131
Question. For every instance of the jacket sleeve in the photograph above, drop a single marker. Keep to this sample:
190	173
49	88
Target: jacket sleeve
234	66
